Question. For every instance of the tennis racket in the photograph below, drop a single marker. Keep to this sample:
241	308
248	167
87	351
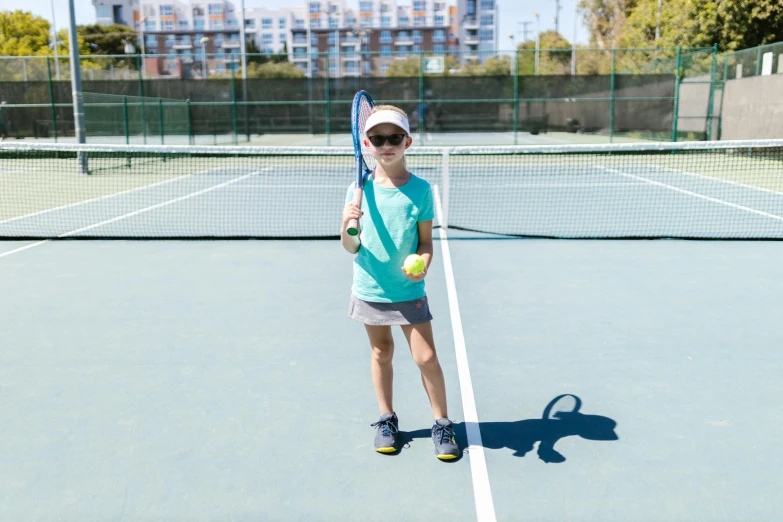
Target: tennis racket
365	163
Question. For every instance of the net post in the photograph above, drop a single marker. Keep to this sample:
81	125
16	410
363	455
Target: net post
712	91
516	96
445	196
51	99
677	94
612	98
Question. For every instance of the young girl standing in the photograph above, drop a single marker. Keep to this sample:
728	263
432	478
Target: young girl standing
395	221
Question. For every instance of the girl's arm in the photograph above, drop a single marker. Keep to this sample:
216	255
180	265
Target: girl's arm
425	243
350	243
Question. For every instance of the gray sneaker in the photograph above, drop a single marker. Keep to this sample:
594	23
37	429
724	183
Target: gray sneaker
387	433
445	443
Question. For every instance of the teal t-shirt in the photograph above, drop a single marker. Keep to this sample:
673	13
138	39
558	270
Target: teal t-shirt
389	234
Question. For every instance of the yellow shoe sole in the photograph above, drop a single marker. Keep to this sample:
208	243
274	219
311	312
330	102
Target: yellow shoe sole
446	457
385	450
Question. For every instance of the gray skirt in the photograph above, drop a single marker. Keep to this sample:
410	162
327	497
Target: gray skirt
390	314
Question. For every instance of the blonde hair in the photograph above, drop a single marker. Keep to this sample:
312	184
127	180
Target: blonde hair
379	108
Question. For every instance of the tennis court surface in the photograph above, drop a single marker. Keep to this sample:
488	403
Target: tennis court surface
175	379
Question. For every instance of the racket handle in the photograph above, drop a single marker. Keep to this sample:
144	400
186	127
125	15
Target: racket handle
353	224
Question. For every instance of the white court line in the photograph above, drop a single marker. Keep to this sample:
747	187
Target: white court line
694	194
165	203
108	196
735	183
482	494
24	248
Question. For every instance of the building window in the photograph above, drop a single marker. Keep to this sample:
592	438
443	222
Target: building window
149	25
487	19
386	21
300	23
486	35
232	23
165	10
316	23
366	22
419	21
439	20
182	24
333	23
250	23
438	49
350	20
439	35
267	38
404	36
215	9
170	40
332	67
283	37
386	37
451	35
197	11
419	5
331	38
281	23
471	9
168	25
403	21
417	36
386	50
313	39
365	7
417	48
315	7
151	41
216	24
219	39
487	5
266	23
384	67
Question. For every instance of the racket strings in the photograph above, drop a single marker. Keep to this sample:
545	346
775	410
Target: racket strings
364	113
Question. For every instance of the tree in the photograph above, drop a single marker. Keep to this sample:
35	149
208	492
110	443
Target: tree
108	39
605	20
554	55
24	34
273	70
254	54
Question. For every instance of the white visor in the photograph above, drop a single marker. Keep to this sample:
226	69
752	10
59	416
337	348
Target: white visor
387	116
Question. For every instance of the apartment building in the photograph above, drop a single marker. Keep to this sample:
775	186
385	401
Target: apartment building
323	37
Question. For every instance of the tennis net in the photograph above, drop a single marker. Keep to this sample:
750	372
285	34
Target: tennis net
719	190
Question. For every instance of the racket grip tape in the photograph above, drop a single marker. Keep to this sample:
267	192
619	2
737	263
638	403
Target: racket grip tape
353	224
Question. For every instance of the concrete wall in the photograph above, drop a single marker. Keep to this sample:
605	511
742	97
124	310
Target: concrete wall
753	108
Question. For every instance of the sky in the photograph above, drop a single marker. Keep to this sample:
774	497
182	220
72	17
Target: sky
511	13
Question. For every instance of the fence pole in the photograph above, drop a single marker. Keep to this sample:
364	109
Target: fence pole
234	101
712	91
191	140
51	99
421	98
160	121
141	99
677	81
127	133
758	60
516	95
328	107
612	98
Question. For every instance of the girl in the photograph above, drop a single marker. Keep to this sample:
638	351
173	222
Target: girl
395	220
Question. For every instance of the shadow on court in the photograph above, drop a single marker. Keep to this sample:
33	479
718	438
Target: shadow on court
561	419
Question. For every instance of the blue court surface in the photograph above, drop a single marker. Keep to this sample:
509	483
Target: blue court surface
223	380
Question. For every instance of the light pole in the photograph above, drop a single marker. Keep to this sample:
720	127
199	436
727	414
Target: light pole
129	50
204	40
573	43
511	37
538	38
658	22
143	21
56	52
309	43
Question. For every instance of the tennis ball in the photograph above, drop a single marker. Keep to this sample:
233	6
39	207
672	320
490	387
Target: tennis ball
414	264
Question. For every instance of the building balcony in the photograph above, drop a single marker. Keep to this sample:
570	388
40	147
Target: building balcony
403	41
300	43
349	41
350	57
352	74
470	22
471	40
230	45
300	57
182	45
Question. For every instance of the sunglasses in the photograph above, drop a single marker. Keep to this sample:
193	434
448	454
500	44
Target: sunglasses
393	139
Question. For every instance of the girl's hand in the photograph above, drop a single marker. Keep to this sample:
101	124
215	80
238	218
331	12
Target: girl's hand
352	211
414	278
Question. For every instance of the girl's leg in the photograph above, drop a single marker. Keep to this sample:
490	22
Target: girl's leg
382	345
422	347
